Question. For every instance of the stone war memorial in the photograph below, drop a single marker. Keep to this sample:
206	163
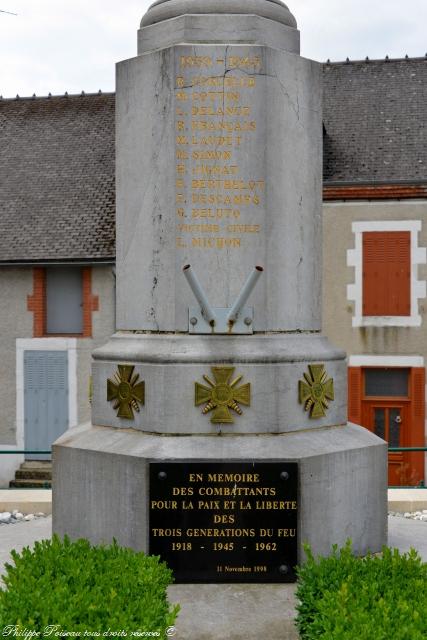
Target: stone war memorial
219	436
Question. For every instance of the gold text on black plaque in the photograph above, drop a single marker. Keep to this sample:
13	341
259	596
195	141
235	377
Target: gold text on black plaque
222	394
316	390
126	392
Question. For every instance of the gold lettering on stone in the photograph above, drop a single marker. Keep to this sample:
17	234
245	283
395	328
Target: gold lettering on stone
198	228
220	111
206	96
238	200
228	81
211	155
223	125
215	122
216	243
196	61
209	170
217	214
245	62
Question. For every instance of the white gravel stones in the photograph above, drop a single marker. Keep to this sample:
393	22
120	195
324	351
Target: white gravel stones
5	517
414	515
16	516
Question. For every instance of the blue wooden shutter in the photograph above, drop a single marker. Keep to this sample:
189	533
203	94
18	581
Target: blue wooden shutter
45	399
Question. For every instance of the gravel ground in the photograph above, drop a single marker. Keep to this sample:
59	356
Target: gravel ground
6	517
412	515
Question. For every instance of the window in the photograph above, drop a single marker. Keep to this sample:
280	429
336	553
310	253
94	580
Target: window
386	289
386	383
62	301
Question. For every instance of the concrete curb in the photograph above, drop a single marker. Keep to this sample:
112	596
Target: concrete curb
34	500
402	500
26	500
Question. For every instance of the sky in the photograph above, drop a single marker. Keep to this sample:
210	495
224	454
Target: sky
53	46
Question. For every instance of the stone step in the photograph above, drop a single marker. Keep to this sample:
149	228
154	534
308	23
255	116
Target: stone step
36	474
36	464
30	484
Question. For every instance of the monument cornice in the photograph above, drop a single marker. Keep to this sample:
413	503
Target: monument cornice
167	9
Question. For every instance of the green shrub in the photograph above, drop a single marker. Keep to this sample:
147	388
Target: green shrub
343	597
80	588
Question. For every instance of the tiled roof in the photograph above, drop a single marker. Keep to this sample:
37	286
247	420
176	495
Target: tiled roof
57	188
375	116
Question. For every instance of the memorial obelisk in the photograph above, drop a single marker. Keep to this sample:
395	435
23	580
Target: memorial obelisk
219	434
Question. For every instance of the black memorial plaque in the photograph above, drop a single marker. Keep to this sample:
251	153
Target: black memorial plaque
225	522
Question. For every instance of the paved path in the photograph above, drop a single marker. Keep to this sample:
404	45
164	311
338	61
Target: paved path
404	533
240	604
20	535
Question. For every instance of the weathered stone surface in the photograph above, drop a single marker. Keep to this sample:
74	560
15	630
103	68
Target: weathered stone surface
235	612
171	365
281	222
215	28
167	9
103	473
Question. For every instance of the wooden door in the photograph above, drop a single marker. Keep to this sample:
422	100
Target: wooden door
390	402
390	421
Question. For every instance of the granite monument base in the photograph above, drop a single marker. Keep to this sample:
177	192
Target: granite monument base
101	487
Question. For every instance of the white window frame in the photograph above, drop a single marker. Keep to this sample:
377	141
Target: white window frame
355	259
403	362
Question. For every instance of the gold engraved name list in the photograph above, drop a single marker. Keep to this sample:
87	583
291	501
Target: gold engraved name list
219	193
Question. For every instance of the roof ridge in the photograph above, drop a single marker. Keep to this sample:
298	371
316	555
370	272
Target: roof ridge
385	60
65	96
